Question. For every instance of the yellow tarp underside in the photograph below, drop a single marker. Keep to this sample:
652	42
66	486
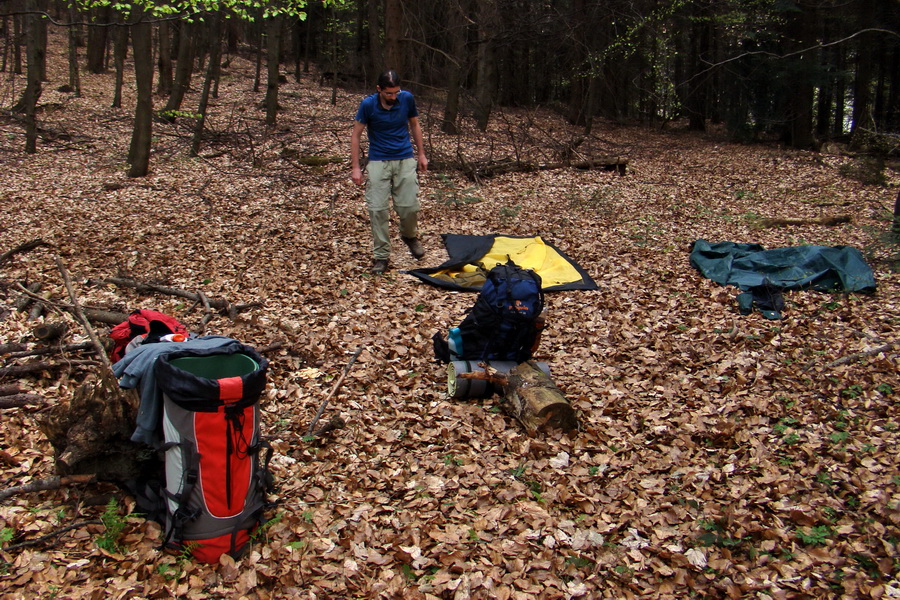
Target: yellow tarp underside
528	253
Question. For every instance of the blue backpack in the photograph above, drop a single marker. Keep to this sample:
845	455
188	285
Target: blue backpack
502	325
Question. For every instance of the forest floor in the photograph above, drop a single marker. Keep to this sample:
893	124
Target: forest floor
719	455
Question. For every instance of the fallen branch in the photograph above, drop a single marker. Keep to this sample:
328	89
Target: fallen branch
89	346
219	304
17	400
27	246
336	422
864	354
14	347
827	221
474	172
94	314
101	351
51	535
40	485
9	390
35	367
334	389
24	301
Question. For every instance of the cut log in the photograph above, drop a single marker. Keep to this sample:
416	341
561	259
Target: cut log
826	221
476	171
531	397
37	367
24	301
17	400
535	400
50	331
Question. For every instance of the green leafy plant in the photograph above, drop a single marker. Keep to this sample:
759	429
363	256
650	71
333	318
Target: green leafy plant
791	439
451	194
171	115
814	536
510	212
264	527
839	437
624	571
449	459
517	472
854	391
168	571
580	562
114	523
536	489
784	424
7	534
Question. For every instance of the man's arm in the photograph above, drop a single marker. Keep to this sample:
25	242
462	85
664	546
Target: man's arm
356	172
419	140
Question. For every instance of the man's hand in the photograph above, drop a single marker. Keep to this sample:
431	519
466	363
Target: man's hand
423	163
357	176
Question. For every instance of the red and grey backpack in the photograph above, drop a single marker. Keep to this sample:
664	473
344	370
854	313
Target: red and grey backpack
216	463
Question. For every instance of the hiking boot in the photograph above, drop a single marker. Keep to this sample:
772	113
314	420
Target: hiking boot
415	247
380	266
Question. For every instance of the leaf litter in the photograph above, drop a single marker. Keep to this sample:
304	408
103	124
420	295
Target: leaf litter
720	456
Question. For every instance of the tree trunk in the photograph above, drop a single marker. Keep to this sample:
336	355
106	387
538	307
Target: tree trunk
801	37
486	78
393	32
578	89
97	39
457	33
273	56
184	67
74	71
895	229
42	40
139	152
698	82
33	86
212	73
376	50
120	50
862	94
259	52
839	93
164	60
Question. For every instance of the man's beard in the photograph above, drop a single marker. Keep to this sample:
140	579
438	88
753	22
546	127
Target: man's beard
390	101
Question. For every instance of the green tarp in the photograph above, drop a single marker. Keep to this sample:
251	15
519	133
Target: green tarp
822	268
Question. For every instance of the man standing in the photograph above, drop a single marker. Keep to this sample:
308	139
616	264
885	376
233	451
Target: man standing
390	116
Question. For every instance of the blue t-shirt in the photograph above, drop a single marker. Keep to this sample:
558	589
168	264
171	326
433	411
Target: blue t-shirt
388	129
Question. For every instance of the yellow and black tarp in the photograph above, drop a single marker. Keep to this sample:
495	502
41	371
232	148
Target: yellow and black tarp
472	256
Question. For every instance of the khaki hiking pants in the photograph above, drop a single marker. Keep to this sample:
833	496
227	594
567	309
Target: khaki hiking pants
395	179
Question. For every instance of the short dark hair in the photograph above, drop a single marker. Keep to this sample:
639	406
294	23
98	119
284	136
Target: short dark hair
388	79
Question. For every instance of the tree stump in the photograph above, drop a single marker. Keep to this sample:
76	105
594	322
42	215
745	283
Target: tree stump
91	434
